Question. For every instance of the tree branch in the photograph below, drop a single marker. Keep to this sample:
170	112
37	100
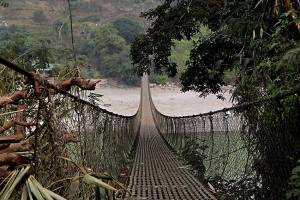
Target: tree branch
81	83
17	147
13	159
14	98
11	139
12	123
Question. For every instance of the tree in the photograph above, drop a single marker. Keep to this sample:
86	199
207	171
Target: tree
39	17
13	41
127	28
3	3
233	24
174	21
24	47
61	27
112	54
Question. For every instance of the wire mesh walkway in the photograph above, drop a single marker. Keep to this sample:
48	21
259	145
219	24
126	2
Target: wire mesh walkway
157	172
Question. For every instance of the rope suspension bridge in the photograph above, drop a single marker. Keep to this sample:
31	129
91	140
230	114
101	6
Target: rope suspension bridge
226	154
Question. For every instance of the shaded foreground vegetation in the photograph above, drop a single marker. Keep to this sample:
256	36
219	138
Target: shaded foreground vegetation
257	43
54	145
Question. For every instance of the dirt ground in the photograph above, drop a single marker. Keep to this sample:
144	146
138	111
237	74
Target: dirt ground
168	99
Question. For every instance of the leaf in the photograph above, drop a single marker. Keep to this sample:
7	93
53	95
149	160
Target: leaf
68	159
24	195
28	191
296	170
40	188
9	183
34	190
110	194
102	193
261	33
12	183
289	195
55	196
258	3
97	182
118	182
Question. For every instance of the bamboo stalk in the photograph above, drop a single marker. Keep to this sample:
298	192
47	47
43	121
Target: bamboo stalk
12	112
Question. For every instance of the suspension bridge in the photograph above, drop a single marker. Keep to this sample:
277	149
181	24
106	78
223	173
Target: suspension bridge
157	173
234	153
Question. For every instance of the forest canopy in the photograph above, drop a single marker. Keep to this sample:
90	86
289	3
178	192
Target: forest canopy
256	41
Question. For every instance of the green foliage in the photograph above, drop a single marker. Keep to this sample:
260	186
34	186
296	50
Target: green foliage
191	153
180	53
244	27
13	41
39	17
295	182
127	28
174	21
181	50
230	77
255	43
111	54
91	18
159	79
205	70
232	189
89	73
3	3
40	55
107	40
34	51
61	26
33	189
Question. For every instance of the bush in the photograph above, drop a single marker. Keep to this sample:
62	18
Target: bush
159	79
295	182
39	17
90	74
230	77
128	28
92	18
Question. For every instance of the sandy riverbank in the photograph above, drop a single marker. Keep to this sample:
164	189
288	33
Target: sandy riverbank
169	100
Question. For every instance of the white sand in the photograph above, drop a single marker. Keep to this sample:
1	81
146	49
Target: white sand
173	102
168	100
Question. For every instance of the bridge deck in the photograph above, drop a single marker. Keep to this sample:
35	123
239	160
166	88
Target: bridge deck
157	172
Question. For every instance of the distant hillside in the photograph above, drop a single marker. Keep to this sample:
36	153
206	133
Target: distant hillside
42	36
37	14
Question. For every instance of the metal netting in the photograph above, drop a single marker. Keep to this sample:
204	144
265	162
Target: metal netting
244	152
64	125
